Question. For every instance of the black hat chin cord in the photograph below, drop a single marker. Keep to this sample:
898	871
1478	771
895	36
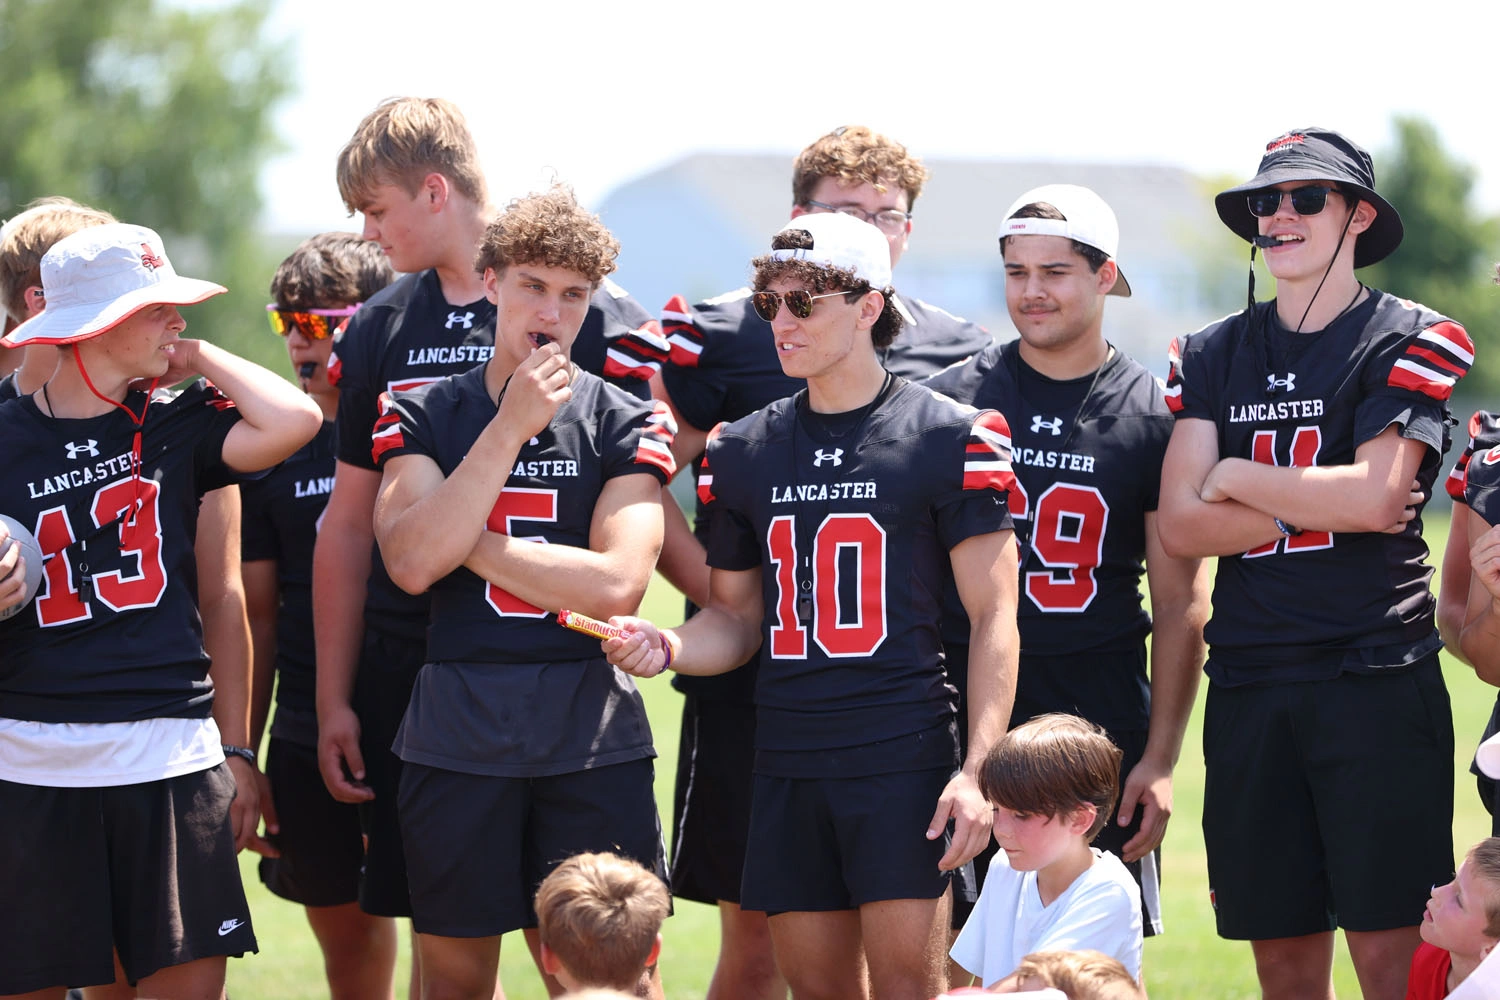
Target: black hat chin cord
1326	271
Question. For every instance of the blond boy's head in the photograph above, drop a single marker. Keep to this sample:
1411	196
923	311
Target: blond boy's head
1081	975
404	140
25	240
599	917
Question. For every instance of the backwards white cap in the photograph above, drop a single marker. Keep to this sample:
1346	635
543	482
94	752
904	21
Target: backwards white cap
1087	219
845	242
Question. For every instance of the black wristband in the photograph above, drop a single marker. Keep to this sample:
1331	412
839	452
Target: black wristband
244	753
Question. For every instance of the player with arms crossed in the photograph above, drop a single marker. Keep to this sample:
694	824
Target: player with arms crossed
1088	432
520	488
1302	424
834	515
117	832
722	366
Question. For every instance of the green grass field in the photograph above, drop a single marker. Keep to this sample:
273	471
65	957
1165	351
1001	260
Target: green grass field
1189	961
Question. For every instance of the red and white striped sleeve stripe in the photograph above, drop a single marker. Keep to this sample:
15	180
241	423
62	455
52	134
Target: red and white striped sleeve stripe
705	473
387	433
684	339
637	353
1435	361
1173	391
655	445
987	454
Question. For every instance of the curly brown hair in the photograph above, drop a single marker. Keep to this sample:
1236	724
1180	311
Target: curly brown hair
331	270
402	141
818	279
550	229
857	155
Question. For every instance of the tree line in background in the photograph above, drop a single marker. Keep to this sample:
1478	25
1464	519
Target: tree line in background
163	116
160	116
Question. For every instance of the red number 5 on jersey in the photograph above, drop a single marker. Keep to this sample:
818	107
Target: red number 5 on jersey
60	602
518	504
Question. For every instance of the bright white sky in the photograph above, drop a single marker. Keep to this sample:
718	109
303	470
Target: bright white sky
598	93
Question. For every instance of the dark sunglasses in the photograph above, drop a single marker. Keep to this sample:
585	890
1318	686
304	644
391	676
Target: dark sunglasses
315	324
1307	200
799	301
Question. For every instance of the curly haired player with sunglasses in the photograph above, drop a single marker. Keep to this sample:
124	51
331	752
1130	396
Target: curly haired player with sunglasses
834	516
722	365
1302	425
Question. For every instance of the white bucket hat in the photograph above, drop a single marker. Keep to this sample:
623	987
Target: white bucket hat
101	276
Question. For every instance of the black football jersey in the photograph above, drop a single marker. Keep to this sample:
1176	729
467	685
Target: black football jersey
280	517
1320	603
113	633
851	525
598	434
8	390
1087	456
506	690
408	335
1475	479
722	365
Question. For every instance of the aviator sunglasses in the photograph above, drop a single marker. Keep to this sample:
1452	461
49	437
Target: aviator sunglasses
799	301
1307	200
315	324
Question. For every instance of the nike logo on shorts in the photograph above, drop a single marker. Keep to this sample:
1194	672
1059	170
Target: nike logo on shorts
228	926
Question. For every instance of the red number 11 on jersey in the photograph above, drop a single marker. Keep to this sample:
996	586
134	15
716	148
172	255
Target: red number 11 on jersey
1306	443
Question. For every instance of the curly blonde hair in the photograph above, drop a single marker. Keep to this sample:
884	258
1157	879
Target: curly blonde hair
402	141
550	229
857	155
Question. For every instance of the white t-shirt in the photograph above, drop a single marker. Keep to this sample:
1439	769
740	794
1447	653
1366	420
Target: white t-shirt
1100	910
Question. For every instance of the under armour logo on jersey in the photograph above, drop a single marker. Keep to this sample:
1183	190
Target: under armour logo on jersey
1038	425
89	448
467	319
836	456
1275	385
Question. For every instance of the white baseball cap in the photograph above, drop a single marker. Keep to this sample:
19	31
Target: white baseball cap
101	276
845	242
1087	219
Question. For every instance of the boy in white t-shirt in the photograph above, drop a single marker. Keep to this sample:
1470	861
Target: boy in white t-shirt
1052	782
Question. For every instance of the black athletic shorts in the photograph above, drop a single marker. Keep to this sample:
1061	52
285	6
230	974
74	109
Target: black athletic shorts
711	805
820	844
1147	870
319	840
1327	803
388	667
478	846
148	869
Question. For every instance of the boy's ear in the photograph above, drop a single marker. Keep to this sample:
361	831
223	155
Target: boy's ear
550	963
655	952
436	189
1082	818
35	300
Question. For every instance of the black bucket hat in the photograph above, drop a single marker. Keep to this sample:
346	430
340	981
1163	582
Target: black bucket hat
1317	154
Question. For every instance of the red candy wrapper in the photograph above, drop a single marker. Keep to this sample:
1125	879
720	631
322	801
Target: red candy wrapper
589	626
